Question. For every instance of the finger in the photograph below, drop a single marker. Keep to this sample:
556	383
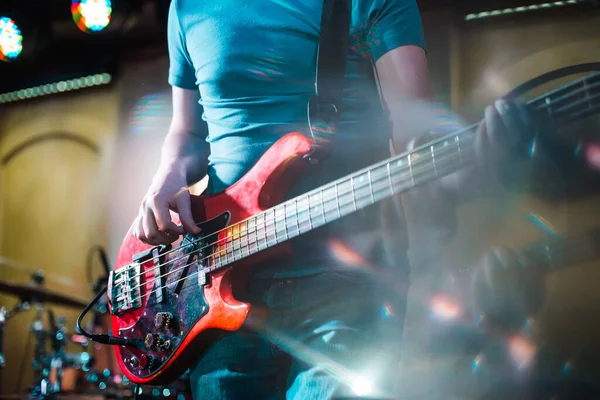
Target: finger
151	232
163	219
482	144
514	121
184	209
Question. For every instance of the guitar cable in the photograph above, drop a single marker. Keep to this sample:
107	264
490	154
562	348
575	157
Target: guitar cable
103	337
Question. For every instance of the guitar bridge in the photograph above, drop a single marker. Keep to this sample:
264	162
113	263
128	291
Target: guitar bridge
125	290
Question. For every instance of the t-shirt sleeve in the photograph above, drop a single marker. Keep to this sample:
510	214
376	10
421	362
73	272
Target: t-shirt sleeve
181	69
383	25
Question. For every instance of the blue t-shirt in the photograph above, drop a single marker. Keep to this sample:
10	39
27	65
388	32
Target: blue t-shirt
253	63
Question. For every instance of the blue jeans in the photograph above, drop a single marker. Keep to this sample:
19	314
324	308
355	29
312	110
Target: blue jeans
330	335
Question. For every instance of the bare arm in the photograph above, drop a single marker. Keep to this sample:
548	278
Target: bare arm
185	146
184	161
406	91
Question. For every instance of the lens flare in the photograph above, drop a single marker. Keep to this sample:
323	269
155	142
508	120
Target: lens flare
11	40
91	15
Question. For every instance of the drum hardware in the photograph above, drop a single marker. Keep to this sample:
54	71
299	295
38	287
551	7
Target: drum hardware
58	372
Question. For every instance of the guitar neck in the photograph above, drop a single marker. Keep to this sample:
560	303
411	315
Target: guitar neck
344	196
387	178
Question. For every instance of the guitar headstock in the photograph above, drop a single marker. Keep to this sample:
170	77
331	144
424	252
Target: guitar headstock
558	120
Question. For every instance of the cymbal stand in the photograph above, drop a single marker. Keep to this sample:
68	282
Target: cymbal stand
5	315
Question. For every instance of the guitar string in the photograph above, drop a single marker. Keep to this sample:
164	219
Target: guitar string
241	251
267	243
417	166
244	241
546	104
431	144
276	240
551	249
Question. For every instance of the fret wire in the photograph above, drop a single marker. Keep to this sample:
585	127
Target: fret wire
370	186
337	200
287	235
457	140
274	211
410	171
433	160
274	221
322	207
253	234
265	229
389	175
226	247
352	192
296	214
247	238
309	213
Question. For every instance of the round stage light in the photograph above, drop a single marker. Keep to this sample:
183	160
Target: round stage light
11	40
91	15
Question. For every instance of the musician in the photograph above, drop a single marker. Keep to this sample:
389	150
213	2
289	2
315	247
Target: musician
242	73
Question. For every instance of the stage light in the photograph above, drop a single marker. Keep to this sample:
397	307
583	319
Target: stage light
11	40
91	15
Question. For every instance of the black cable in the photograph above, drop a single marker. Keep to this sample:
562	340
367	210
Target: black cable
104	338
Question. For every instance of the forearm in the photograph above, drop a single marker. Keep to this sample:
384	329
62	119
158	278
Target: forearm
186	153
419	121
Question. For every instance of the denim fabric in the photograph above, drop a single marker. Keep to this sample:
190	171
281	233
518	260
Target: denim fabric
330	335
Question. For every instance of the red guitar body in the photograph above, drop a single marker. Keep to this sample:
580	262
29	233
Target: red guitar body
174	329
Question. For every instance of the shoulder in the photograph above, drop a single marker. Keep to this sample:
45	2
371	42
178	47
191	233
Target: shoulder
378	26
364	10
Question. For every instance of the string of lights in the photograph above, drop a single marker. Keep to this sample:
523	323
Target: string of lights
56	87
512	10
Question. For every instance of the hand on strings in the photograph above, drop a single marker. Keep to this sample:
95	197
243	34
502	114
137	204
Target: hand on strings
507	290
504	126
169	191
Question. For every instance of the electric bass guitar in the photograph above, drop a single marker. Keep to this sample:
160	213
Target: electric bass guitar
167	302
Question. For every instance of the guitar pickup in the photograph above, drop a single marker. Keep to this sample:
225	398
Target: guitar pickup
160	275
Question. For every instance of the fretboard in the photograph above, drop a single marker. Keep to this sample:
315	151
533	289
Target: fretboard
343	197
387	178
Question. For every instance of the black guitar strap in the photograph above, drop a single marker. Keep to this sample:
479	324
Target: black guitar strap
325	106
